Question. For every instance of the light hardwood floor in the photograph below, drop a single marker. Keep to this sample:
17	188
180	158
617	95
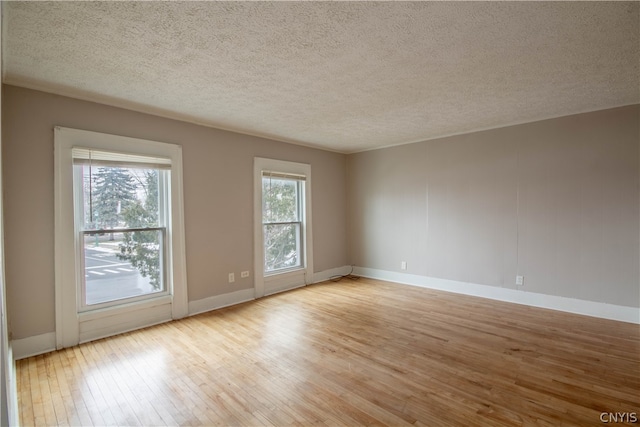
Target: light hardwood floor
345	353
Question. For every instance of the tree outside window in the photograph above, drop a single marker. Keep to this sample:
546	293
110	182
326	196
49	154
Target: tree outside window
122	203
282	224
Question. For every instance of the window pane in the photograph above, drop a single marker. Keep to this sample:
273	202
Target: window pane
123	265
117	197
281	246
279	200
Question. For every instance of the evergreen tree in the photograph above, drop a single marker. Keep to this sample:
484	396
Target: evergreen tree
142	248
114	191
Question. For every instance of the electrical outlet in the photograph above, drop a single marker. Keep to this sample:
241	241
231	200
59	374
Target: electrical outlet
232	277
244	274
520	280
403	265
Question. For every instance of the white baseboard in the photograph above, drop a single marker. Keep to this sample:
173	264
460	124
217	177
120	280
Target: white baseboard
244	295
39	344
283	288
283	282
570	305
325	275
33	346
298	282
220	301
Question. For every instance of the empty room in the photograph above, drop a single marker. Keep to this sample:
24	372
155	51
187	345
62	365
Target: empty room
320	213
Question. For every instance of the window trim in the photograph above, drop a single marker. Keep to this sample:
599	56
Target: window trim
299	181
278	281
68	318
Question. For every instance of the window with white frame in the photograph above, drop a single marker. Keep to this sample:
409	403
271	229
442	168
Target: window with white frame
282	221
283	231
119	234
121	214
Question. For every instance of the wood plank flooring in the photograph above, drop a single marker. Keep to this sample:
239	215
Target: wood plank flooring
351	353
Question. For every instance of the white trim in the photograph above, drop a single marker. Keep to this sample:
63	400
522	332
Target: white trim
67	319
325	275
277	283
88	156
178	268
284	281
67	327
569	305
116	323
238	297
33	346
12	392
114	320
124	308
219	301
39	344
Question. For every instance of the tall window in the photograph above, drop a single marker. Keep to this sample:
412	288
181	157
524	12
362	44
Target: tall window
122	224
282	234
119	234
282	223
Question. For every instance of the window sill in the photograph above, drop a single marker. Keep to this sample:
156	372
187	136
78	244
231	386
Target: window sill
285	272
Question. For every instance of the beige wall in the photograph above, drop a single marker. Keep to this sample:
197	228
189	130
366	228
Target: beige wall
218	168
556	201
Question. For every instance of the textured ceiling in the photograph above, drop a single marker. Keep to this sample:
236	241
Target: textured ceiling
345	76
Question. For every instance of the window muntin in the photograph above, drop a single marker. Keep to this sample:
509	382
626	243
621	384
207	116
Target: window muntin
282	224
122	231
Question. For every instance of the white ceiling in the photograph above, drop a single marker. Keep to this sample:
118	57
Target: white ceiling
344	76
